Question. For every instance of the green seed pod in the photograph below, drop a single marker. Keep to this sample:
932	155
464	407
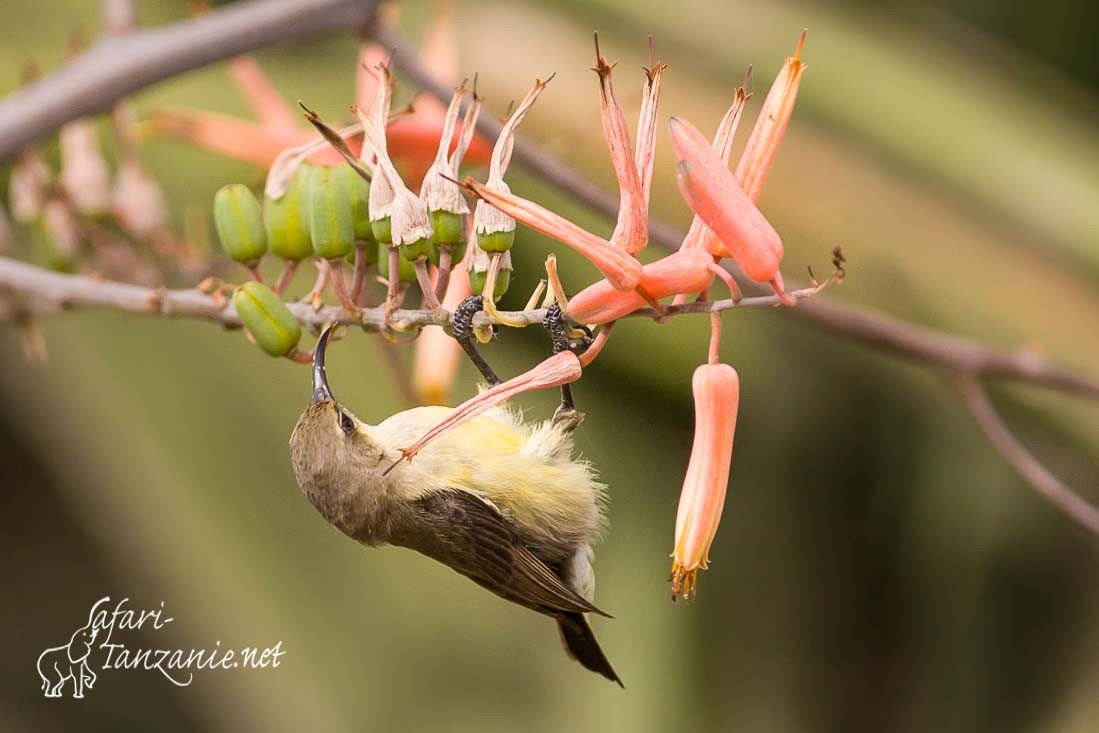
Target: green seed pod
503	282
239	223
331	223
496	241
383	230
449	228
287	219
267	318
416	250
357	191
405	274
457	253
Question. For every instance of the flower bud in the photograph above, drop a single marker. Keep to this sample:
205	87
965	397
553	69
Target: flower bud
287	218
239	224
710	190
716	390
268	320
331	222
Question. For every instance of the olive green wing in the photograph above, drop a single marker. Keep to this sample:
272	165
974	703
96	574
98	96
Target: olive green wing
470	535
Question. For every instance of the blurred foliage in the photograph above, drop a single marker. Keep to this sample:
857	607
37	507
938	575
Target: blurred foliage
878	568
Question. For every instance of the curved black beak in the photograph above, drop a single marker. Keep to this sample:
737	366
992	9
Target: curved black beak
321	391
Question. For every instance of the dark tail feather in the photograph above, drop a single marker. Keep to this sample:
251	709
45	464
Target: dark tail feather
580	644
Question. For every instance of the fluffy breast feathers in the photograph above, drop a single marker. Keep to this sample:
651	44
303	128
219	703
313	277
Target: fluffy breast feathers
527	470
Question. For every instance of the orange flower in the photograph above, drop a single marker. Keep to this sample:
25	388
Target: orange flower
634	172
412	138
771	125
718	199
685	271
716	396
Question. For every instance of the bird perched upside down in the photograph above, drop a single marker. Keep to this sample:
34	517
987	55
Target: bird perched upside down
501	502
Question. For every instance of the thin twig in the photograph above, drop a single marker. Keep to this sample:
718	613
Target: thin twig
1018	457
122	64
28	290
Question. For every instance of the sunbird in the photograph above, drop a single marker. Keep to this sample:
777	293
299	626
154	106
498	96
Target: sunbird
502	502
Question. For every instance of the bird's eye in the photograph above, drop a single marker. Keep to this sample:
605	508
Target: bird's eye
346	423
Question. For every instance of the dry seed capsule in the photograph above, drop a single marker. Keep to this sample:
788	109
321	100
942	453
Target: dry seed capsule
331	223
405	274
287	219
272	325
239	223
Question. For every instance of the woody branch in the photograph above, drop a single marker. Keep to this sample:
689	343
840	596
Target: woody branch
27	291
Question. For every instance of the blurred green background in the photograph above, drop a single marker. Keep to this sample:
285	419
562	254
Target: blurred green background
878	568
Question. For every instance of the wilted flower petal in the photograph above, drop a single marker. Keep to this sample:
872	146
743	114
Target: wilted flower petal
631	231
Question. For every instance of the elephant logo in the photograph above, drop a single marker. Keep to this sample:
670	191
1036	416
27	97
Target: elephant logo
60	664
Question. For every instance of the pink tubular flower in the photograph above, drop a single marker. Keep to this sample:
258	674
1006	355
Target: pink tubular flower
716	396
622	270
718	199
699	235
634	172
771	125
561	368
685	271
412	138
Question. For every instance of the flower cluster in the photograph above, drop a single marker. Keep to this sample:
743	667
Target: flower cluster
382	197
